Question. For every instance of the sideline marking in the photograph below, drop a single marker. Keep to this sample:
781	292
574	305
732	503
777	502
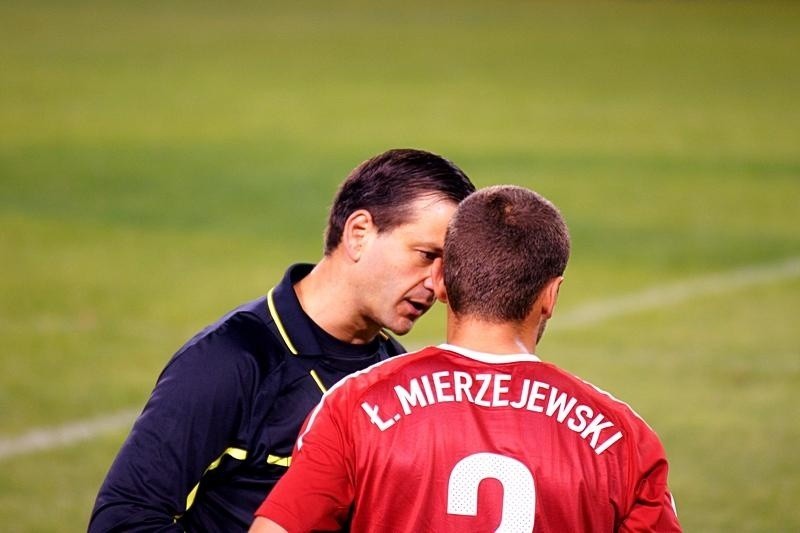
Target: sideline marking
676	292
584	315
59	436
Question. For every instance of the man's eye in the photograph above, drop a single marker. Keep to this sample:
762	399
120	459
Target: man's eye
429	256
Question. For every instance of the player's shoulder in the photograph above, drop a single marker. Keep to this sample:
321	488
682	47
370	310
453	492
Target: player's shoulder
611	405
240	337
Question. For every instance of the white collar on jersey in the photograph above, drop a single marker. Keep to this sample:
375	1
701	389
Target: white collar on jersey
491	358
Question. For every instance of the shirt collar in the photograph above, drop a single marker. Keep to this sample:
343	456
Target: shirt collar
491	358
289	316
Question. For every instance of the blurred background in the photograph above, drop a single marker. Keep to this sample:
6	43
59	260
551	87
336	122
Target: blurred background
162	162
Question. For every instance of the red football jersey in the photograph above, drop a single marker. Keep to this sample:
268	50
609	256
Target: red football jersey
446	439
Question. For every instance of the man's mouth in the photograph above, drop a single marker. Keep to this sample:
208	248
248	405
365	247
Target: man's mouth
420	307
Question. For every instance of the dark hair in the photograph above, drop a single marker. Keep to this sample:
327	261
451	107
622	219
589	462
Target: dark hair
502	246
386	184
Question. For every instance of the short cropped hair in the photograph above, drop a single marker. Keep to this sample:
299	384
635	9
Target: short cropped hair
386	184
502	246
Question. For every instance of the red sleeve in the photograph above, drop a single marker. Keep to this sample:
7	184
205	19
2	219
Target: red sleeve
653	508
316	493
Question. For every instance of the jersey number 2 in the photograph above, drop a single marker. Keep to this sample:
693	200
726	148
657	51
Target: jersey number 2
519	493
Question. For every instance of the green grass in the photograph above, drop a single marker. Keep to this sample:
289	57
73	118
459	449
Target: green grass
161	162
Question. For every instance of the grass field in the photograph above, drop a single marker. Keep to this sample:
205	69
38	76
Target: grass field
161	162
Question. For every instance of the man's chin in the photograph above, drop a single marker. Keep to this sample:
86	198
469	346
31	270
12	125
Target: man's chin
401	326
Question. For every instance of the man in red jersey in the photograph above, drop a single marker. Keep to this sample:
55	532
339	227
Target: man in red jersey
478	434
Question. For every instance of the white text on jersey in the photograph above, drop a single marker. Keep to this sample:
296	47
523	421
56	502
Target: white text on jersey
493	390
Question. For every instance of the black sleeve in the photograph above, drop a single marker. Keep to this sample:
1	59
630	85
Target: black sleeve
191	418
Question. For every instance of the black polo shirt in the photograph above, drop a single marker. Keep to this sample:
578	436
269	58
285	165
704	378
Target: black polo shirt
219	427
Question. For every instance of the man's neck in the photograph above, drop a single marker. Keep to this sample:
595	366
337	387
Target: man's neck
490	337
329	300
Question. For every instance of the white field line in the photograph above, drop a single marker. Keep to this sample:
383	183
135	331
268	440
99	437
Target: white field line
59	436
585	315
675	293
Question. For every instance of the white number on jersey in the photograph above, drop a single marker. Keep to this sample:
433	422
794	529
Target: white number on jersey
519	493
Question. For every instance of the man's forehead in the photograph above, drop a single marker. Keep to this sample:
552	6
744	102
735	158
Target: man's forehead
424	224
426	204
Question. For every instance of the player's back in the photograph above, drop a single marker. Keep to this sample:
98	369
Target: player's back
449	440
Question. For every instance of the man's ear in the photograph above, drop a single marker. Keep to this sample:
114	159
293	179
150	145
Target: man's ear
437	277
356	233
549	296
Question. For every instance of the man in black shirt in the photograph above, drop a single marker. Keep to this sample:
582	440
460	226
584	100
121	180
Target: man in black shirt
218	430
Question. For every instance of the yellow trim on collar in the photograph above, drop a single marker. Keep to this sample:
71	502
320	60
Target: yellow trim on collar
318	381
277	319
286	339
